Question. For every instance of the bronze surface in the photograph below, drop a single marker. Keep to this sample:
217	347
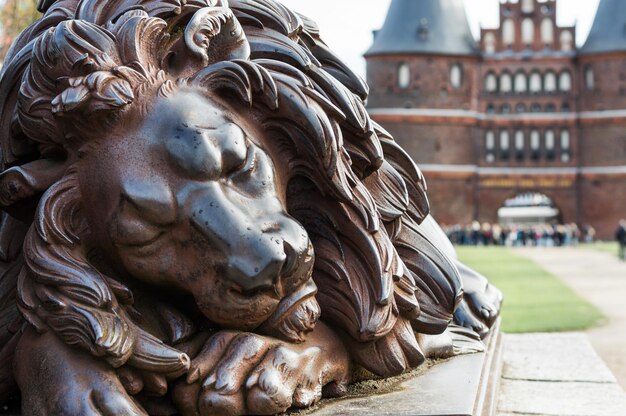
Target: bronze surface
201	218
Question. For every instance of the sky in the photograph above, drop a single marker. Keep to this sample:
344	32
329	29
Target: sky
347	25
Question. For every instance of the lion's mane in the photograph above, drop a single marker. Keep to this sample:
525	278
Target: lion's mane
87	64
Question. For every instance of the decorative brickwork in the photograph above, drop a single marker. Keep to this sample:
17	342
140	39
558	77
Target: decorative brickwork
520	110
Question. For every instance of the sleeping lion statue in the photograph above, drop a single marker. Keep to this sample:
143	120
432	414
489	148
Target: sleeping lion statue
199	217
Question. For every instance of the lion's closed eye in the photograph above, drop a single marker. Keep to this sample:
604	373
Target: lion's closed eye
232	145
128	228
247	166
146	210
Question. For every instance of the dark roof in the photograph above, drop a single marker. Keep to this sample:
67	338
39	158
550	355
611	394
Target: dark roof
424	27
608	33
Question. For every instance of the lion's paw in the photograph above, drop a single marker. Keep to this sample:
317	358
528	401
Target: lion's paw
485	303
464	317
285	378
56	379
481	302
245	373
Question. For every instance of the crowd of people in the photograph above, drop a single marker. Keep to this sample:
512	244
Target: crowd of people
543	235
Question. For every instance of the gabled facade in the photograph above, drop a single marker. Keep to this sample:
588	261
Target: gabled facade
519	111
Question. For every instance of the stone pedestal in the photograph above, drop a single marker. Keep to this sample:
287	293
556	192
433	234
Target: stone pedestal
466	385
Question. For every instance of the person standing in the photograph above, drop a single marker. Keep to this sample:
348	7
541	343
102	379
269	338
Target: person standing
620	236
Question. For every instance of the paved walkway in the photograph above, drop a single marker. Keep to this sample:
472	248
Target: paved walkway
556	375
600	278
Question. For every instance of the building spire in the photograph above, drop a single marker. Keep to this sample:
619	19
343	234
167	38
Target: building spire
608	33
436	27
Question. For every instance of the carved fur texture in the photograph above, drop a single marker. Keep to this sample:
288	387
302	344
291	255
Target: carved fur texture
87	76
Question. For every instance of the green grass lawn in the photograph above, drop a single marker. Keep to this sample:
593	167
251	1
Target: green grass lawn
534	300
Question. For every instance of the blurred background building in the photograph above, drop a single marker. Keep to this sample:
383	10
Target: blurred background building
521	111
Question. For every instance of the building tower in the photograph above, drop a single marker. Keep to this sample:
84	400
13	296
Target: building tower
602	61
422	69
517	112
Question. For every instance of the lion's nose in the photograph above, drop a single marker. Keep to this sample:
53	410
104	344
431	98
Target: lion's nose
260	270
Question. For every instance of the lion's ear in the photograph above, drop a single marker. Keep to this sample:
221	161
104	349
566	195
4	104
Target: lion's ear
21	185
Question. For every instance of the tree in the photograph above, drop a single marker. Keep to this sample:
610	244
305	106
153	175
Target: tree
15	16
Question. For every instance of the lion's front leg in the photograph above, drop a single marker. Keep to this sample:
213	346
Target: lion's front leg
56	379
244	373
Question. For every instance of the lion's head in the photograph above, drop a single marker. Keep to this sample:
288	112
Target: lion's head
220	151
189	200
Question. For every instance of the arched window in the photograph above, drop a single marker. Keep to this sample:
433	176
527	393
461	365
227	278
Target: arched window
404	75
535	145
550	108
491	82
505	109
521	84
528	31
565	81
535	108
520	108
490	42
519	145
506	82
547	31
535	82
590	81
565	108
565	146
528	6
508	32
490	140
505	145
567	41
549	82
550	144
565	139
490	146
490	109
456	76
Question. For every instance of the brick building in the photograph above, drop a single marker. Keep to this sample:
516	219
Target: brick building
520	111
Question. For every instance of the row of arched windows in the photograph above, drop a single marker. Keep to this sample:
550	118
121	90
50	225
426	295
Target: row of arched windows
522	145
509	31
521	83
506	83
533	108
527	28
